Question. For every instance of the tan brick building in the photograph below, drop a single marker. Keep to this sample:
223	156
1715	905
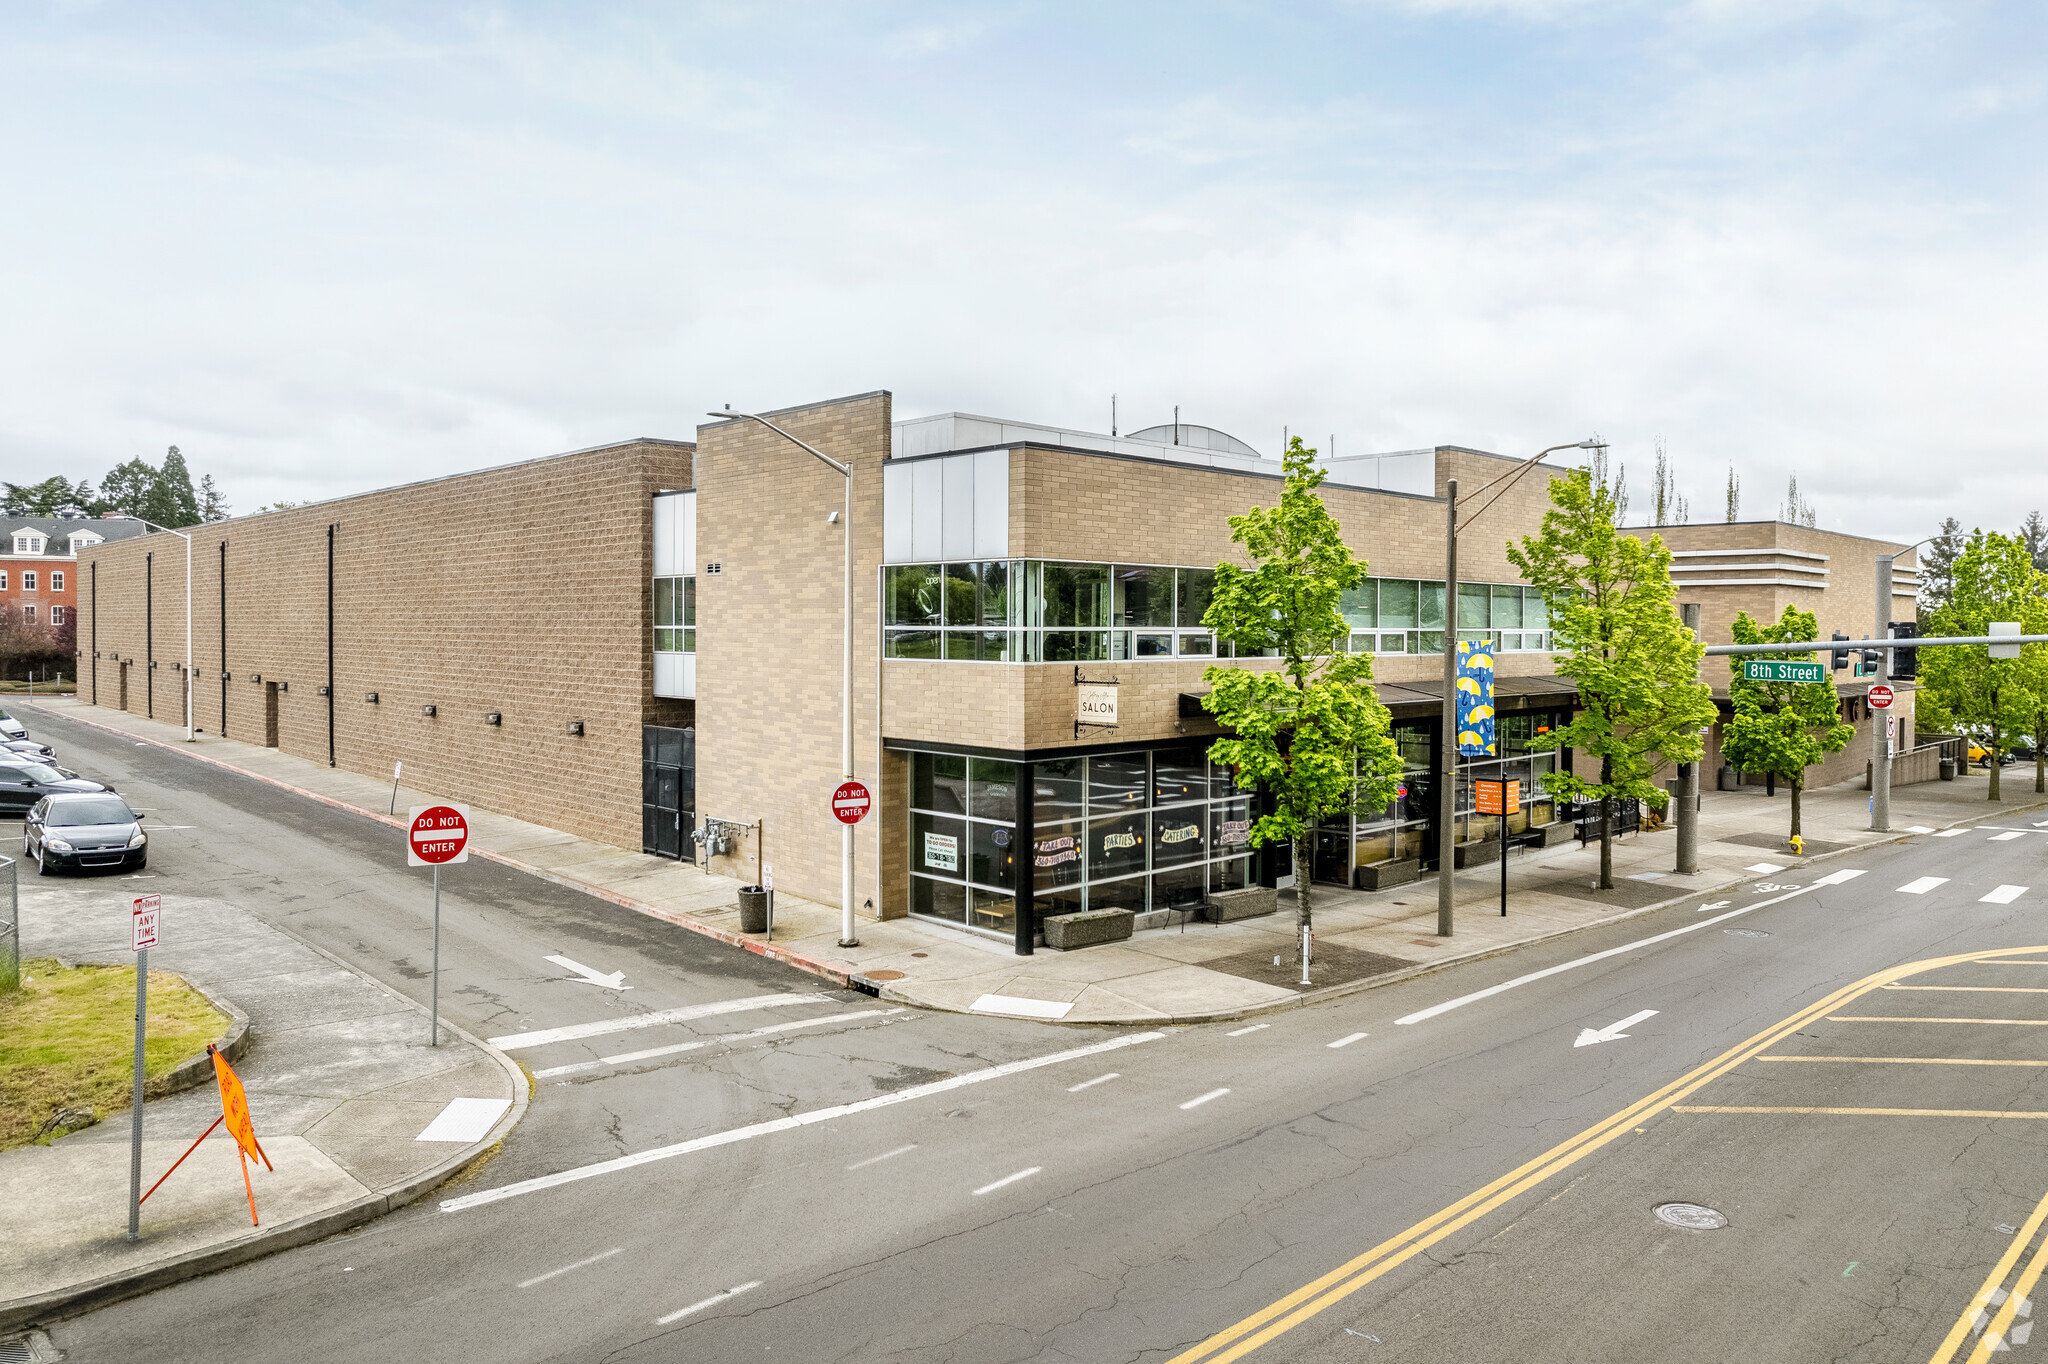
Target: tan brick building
631	641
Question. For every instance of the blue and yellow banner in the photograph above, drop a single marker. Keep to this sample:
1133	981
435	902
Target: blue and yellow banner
1475	698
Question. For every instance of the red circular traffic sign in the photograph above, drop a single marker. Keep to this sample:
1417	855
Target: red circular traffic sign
1880	697
439	834
850	802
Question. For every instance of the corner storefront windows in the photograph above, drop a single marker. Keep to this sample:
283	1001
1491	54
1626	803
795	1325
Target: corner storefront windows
1139	830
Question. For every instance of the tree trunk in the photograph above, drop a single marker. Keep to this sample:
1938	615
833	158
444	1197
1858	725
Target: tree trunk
1606	828
1303	877
1992	793
1797	787
1995	767
2040	768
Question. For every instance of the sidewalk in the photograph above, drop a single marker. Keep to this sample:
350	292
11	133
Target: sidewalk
1202	971
341	1085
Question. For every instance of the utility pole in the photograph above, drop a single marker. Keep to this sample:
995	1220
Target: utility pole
1689	780
1880	724
1447	767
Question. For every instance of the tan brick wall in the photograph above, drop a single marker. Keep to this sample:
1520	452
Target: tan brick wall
523	589
768	642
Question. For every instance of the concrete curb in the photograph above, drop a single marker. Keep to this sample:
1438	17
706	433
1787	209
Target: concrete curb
838	975
96	1293
801	961
895	996
194	1071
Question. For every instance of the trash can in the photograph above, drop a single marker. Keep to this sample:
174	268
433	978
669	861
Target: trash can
1948	769
753	909
1729	778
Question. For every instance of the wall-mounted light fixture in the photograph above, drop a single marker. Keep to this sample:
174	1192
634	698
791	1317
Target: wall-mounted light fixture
575	726
114	656
371	697
284	686
492	717
255	677
324	691
426	710
227	677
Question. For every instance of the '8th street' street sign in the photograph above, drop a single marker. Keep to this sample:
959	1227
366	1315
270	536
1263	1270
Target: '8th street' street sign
1780	670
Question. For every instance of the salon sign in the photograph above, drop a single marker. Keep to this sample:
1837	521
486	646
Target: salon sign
1097	704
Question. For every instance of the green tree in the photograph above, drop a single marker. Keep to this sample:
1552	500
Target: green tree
1636	666
172	501
1312	731
46	498
128	488
1938	570
212	506
1782	727
2034	677
1993	578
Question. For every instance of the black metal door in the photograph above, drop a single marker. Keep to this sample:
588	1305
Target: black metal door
668	791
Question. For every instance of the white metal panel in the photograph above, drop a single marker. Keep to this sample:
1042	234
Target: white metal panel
992	504
898	497
927	509
689	670
956	524
665	537
668	674
1414	473
686	533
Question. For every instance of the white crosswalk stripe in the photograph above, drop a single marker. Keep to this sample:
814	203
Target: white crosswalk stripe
2008	836
1951	833
1923	885
2004	895
1836	878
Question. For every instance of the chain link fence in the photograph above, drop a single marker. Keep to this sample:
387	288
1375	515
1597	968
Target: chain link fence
10	927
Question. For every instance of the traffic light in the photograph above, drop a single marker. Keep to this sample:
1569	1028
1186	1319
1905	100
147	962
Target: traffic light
1905	662
1873	661
1839	658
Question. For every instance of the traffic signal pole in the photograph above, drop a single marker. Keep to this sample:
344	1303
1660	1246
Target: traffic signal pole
1881	733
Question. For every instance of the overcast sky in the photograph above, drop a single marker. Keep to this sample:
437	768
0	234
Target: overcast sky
325	247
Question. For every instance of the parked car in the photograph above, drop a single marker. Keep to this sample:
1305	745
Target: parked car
28	748
82	830
11	727
23	782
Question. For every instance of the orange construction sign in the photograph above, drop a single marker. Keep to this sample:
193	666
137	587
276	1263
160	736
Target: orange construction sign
234	1108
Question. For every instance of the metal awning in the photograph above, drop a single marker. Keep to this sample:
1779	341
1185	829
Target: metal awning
1424	700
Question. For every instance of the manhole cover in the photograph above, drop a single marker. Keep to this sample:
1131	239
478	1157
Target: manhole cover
1690	1216
1745	933
885	975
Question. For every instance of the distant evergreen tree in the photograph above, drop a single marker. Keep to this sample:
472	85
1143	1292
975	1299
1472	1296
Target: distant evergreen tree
212	506
1734	495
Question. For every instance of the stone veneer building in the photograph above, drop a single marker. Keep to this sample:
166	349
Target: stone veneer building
670	666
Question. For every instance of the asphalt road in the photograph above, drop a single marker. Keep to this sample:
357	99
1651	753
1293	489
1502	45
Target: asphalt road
1467	1185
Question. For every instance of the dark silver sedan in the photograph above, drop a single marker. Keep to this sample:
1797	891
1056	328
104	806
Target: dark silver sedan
84	830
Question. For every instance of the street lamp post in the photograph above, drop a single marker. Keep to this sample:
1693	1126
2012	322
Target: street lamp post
188	613
847	936
1447	760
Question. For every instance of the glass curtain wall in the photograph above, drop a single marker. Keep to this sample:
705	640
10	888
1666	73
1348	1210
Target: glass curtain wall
1046	611
1139	831
1406	616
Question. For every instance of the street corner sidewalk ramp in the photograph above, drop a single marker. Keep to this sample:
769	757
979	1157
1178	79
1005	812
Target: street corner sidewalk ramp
357	1113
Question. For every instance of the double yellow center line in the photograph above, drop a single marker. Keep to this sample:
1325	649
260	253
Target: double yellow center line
1268	1323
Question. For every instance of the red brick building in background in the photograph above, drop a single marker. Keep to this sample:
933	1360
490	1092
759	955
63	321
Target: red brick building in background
39	562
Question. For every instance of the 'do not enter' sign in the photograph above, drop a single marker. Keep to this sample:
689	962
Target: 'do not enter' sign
438	835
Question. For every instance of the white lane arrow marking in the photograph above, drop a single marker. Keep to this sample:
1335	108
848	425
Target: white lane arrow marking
586	976
1613	1032
1718	904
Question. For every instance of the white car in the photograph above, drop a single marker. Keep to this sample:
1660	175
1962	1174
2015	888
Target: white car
12	728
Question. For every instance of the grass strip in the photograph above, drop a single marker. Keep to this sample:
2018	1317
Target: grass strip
67	1041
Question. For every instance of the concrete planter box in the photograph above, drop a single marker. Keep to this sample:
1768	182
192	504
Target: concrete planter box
1065	932
1556	832
1386	875
1228	906
1478	854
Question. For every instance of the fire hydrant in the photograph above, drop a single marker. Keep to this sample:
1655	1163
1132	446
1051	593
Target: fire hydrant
1798	846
